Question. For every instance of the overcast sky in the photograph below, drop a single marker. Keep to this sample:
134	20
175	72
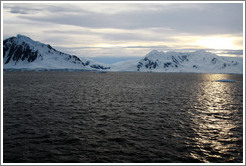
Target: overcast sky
127	29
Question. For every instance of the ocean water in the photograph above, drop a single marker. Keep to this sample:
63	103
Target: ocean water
120	117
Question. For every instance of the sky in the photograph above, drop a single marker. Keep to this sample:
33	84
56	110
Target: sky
110	32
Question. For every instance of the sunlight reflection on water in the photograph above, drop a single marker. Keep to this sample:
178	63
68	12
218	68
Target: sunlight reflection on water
212	123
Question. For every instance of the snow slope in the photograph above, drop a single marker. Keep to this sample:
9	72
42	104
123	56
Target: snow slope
22	52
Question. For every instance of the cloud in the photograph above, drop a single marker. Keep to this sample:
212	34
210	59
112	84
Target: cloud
116	36
212	19
182	18
131	28
136	37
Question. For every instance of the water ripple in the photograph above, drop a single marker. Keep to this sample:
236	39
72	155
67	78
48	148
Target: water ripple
72	117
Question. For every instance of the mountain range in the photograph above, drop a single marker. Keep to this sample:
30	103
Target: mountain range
21	52
197	62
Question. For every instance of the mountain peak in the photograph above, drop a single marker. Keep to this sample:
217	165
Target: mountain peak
153	52
22	36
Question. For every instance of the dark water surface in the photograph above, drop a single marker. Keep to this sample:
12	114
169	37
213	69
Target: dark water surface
121	117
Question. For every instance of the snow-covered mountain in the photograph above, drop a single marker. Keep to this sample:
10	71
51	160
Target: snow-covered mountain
22	52
195	62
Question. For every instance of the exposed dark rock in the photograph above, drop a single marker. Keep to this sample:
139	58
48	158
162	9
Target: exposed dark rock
99	67
195	66
140	64
175	60
214	60
183	58
87	63
167	64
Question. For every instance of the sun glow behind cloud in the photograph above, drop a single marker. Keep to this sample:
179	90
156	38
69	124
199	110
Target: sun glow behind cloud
218	42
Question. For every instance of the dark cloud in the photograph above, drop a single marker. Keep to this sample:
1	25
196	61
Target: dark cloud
16	11
23	10
29	8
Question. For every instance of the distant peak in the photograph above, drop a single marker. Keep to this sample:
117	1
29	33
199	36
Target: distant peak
154	52
22	36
